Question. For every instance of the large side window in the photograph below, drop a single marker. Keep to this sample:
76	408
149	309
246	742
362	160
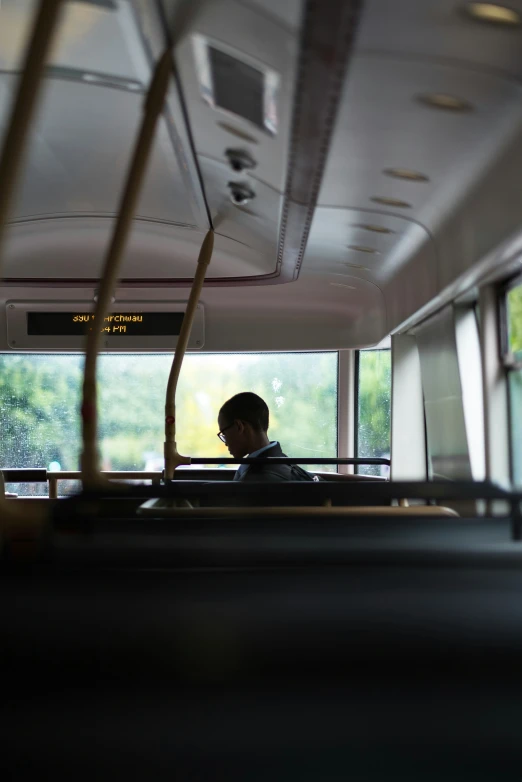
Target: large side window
512	354
373	408
40	398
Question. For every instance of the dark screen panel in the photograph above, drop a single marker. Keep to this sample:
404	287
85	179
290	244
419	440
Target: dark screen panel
238	87
118	324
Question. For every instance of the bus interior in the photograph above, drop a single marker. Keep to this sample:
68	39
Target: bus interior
319	202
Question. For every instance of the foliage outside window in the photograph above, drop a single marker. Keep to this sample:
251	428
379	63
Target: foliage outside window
514	322
374	408
40	399
514	364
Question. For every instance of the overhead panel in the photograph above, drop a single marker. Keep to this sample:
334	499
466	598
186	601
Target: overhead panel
78	155
238	68
261	97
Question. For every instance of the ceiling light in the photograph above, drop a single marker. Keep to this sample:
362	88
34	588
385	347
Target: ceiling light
342	285
350	265
378	229
406	173
390	202
441	100
493	13
361	249
106	80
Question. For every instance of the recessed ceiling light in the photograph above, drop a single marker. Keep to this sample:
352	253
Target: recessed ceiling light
342	285
441	100
390	202
493	13
406	173
362	249
351	265
111	81
378	229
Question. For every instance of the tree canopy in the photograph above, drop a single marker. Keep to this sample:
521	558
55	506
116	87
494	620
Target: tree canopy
515	321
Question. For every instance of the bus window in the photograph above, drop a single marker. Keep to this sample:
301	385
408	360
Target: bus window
40	393
373	408
512	330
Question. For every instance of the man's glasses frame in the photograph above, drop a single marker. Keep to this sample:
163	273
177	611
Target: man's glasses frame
221	433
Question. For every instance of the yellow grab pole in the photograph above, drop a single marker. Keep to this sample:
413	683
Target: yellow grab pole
152	110
11	161
172	457
24	106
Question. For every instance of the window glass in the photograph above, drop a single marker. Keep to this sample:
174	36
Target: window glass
513	328
374	409
40	398
514	313
515	404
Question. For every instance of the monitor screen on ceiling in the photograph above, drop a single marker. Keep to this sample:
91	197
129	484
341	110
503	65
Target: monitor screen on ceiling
237	87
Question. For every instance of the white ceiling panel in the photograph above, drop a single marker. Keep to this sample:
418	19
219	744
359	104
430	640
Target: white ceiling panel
79	151
74	248
381	125
90	38
440	30
339	239
286	12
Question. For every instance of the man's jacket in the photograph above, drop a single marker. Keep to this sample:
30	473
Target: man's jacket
264	471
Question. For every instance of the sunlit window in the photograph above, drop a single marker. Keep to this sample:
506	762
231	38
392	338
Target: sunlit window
40	399
374	409
514	321
513	360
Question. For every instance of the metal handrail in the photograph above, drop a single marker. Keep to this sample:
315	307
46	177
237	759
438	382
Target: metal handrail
41	475
152	110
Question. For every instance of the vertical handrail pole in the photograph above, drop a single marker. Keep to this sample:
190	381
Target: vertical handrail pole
19	125
12	155
152	111
172	457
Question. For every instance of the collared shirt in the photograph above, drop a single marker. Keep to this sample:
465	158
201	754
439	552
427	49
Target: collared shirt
244	467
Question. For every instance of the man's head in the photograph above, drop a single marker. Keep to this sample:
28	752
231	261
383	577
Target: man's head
243	424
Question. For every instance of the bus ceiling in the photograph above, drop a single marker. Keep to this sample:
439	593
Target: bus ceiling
359	163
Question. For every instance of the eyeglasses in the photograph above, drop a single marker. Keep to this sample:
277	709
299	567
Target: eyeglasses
221	434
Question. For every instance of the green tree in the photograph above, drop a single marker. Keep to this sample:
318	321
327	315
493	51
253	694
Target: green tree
515	320
374	406
40	400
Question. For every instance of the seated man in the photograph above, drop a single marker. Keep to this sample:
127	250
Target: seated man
243	425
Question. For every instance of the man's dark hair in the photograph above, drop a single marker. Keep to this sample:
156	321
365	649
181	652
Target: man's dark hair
246	407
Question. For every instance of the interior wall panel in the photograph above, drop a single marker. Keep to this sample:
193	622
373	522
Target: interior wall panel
447	442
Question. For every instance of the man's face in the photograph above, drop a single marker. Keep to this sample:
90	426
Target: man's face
236	437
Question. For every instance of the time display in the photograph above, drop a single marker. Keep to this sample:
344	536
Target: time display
117	324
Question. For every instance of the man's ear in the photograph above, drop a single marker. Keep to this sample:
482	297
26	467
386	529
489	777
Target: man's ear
240	426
